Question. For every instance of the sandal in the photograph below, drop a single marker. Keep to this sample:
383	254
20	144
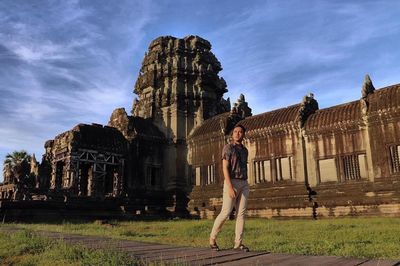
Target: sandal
214	247
242	247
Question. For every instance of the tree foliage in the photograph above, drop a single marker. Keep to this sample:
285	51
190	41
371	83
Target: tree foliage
16	165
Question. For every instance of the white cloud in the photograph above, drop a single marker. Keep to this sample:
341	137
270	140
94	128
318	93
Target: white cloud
40	51
70	64
67	62
278	51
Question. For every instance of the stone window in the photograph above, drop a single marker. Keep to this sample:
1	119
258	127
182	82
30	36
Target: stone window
328	170
395	159
210	174
351	167
262	171
284	168
153	176
205	175
198	176
362	160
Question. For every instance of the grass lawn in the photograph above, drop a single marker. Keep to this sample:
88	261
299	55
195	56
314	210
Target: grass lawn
23	248
348	237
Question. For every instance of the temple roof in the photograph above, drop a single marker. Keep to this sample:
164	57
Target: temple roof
211	125
381	99
273	118
385	98
97	137
347	113
335	115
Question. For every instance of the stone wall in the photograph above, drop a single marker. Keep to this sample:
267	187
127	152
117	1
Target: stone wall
338	161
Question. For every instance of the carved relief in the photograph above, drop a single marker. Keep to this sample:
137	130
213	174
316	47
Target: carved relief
187	62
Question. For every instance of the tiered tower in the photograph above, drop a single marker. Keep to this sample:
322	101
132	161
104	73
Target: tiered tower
178	88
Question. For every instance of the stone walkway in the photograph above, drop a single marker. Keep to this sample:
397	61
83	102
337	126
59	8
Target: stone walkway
168	254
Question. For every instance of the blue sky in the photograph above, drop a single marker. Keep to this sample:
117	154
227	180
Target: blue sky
69	62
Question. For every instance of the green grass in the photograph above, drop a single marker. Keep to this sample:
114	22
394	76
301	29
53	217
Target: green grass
348	237
24	248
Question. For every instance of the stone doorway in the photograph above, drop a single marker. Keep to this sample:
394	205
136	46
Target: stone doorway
59	174
109	181
85	176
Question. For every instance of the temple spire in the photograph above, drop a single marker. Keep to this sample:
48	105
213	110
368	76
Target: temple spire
367	87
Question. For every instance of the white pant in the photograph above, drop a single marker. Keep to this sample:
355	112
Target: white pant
242	190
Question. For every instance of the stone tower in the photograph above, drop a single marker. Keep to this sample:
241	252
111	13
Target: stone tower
178	88
178	85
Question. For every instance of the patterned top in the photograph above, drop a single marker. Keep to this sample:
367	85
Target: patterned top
236	155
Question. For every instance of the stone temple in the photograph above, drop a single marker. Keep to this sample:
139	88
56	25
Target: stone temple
164	157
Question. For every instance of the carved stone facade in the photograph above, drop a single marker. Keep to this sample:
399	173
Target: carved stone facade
166	155
179	78
310	162
178	88
88	161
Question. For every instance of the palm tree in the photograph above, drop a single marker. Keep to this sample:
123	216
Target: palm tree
16	163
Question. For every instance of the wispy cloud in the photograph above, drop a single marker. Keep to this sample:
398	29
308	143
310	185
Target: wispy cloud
67	62
286	49
63	63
